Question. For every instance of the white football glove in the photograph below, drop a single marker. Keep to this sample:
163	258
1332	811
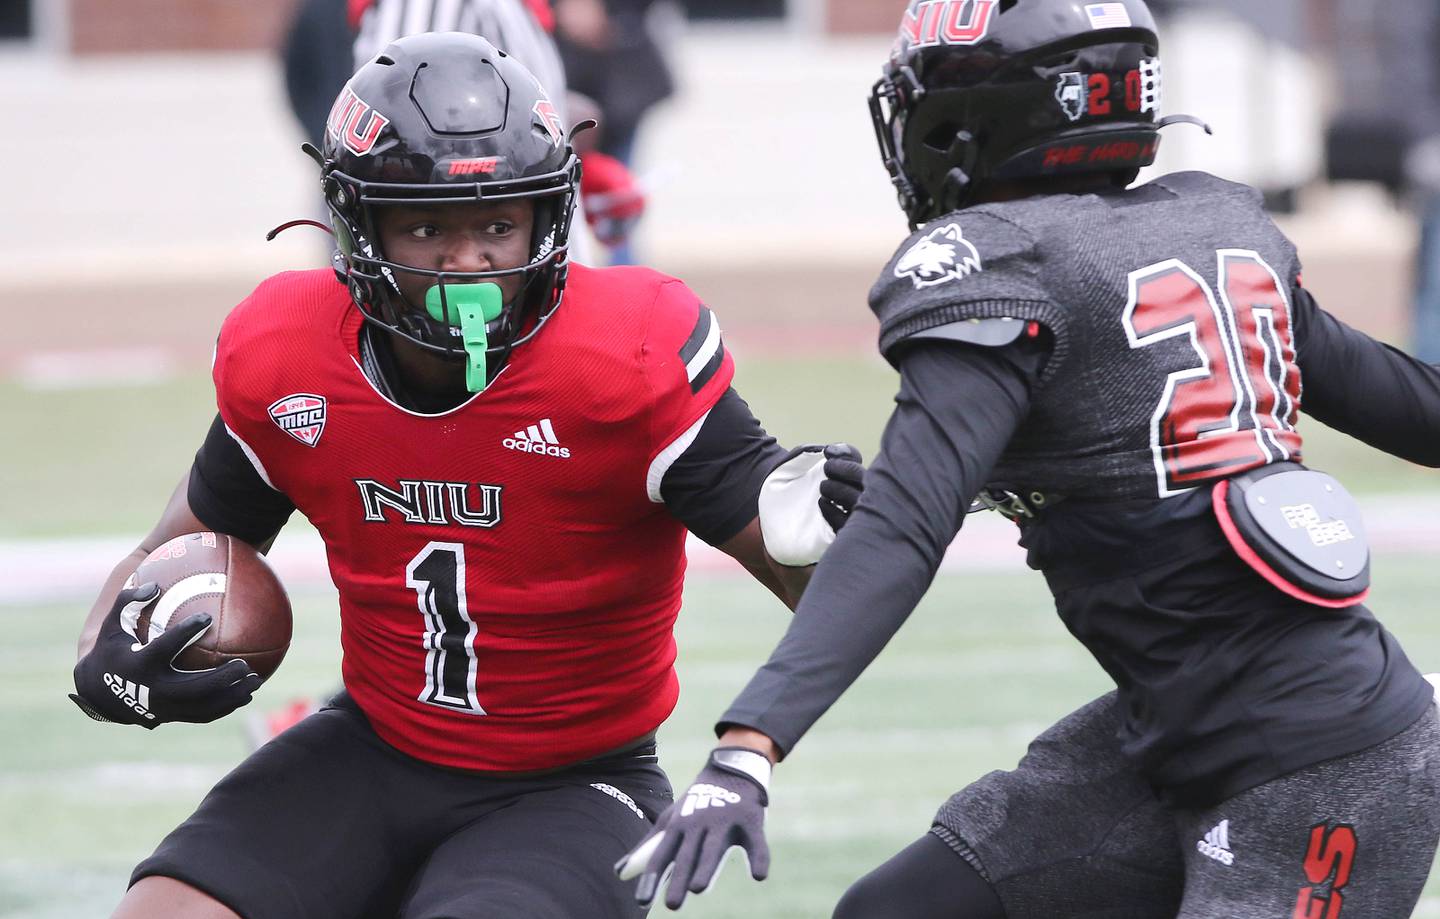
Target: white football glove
806	498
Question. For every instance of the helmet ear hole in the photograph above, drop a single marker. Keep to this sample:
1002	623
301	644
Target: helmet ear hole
941	137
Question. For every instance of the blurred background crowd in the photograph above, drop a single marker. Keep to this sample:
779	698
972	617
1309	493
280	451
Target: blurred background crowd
733	132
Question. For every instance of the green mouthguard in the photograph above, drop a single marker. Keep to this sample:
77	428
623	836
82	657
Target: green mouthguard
468	306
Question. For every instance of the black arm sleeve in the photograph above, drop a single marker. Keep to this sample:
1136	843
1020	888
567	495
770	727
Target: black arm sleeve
714	486
228	495
957	409
1371	391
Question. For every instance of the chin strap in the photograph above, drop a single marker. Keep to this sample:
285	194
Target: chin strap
1168	120
470	307
297	223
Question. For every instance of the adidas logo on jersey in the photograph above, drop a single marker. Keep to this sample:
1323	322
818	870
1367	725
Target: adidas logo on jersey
132	694
1216	844
538	438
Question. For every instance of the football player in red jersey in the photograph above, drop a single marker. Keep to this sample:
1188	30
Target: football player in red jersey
1119	369
503	453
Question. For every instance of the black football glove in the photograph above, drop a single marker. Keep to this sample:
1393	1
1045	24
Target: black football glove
123	681
844	481
724	807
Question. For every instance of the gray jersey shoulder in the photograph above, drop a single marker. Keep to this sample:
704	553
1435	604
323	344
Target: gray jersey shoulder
978	264
1058	259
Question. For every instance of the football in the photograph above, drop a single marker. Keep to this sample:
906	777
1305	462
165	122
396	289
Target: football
213	573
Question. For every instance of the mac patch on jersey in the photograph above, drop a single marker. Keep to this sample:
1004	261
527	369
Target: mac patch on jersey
301	415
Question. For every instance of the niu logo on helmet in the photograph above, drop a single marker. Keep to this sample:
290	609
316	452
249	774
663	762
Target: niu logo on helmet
946	22
547	113
345	118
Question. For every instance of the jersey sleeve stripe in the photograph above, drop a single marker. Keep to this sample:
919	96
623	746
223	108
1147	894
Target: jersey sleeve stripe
700	359
698	335
667	457
707	373
250	455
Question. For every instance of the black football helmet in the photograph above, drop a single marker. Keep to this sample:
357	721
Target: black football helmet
981	90
447	118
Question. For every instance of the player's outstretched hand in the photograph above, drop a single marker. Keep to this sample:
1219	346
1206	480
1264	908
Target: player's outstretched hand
806	499
844	481
124	681
724	807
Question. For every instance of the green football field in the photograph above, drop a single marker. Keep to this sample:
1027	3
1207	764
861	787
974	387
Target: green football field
982	667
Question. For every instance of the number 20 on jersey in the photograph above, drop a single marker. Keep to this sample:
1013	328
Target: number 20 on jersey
1237	409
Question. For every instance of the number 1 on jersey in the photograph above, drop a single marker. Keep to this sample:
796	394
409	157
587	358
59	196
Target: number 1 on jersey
437	575
1237	409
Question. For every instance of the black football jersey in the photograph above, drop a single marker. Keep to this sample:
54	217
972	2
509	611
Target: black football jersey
1174	309
1178	333
1170	308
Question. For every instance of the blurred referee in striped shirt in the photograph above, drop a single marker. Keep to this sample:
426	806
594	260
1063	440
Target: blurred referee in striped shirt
520	28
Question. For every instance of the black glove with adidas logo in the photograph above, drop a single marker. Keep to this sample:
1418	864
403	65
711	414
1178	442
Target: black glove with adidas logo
723	807
124	681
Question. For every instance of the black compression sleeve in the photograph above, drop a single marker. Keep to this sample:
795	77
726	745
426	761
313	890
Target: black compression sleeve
714	486
228	495
1371	391
957	409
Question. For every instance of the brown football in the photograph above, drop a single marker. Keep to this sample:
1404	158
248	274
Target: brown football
213	573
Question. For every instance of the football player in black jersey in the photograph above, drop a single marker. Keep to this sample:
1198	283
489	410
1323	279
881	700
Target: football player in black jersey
1119	369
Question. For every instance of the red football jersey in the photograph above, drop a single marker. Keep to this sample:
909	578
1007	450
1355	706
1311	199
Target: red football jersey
508	577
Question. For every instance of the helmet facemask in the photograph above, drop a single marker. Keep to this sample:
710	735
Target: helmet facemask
447	120
448	323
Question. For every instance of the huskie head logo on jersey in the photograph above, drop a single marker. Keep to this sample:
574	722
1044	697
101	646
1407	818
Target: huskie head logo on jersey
301	415
941	255
946	22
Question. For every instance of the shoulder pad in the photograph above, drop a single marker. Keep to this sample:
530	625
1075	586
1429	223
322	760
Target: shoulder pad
993	333
976	264
1203	183
976	254
965	254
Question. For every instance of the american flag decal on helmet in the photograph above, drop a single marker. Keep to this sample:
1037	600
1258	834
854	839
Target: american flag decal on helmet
301	415
703	352
1108	16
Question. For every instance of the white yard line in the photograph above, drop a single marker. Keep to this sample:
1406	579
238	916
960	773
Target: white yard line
99	368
